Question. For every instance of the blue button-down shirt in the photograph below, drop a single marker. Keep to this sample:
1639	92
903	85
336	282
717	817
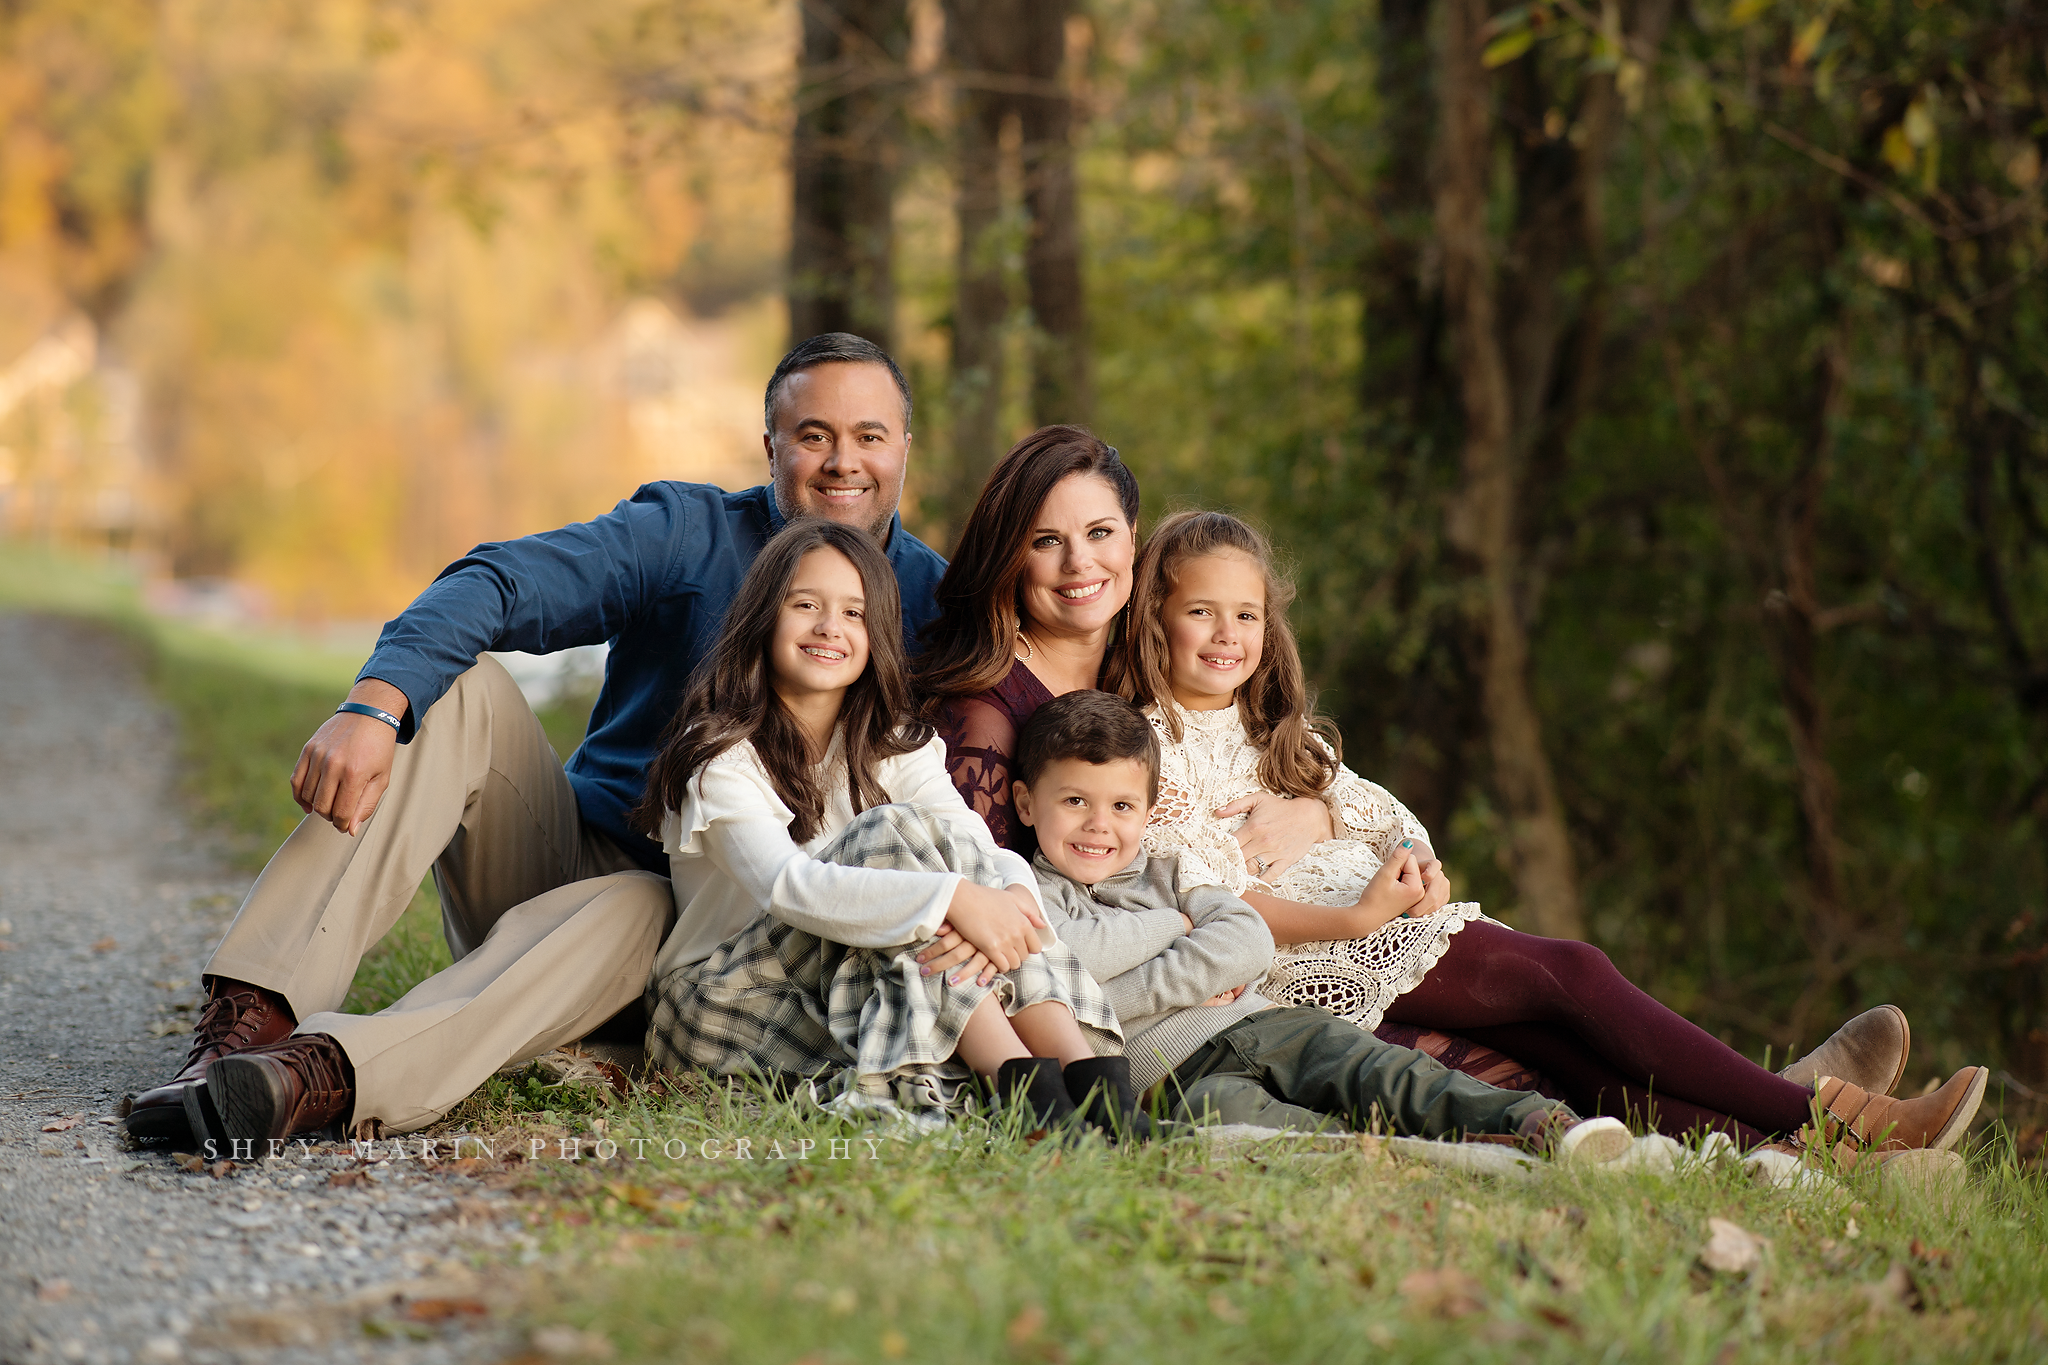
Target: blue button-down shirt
652	578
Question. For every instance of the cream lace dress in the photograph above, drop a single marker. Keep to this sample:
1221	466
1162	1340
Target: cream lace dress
1214	764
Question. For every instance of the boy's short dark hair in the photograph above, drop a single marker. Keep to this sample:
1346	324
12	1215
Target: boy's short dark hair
1095	727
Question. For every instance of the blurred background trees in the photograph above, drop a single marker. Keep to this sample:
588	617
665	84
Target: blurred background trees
1653	397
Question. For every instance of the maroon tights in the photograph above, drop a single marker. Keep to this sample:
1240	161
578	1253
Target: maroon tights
1560	1006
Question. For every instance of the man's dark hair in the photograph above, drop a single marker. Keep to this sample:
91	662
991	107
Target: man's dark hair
1094	727
832	348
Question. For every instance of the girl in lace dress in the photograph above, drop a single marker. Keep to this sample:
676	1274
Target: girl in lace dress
1365	919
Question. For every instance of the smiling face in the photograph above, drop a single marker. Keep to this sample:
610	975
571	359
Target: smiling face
821	633
1077	575
1215	620
1089	817
839	446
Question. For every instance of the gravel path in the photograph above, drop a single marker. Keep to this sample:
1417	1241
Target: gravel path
108	905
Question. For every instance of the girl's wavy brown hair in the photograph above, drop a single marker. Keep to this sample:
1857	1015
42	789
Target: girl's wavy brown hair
1299	750
970	646
730	697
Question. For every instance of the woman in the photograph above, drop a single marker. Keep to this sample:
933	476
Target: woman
1029	607
1034	598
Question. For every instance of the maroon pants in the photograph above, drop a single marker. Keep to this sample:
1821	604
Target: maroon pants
1560	1007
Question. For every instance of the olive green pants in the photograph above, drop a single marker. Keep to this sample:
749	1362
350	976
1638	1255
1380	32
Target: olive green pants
1300	1067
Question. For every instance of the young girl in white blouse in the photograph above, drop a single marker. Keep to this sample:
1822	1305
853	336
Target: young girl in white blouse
1365	922
816	844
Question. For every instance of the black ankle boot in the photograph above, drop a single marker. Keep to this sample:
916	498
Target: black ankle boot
1101	1090
1033	1084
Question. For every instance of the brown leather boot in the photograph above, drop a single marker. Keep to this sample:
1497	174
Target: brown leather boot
1868	1051
1934	1122
303	1083
237	1016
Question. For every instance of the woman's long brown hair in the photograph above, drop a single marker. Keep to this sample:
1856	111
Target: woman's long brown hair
1274	703
731	698
969	648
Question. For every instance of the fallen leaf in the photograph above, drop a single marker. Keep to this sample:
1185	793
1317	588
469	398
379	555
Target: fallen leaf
190	1164
59	1125
1928	1255
1446	1293
165	1028
563	1342
1025	1325
1224	1309
1897	1289
441	1310
105	945
1731	1250
220	1168
344	1179
53	1291
1558	1318
5	946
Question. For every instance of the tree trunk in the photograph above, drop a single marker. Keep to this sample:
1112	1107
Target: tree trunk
1792	616
843	164
1484	518
1060	383
983	47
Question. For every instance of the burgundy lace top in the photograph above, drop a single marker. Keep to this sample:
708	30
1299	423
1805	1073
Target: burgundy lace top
981	734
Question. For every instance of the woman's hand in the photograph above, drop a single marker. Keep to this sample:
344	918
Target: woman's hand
1277	831
1436	888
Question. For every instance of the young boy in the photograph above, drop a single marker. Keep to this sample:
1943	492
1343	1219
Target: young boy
1182	970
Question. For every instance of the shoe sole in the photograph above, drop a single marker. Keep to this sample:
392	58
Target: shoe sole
202	1120
159	1123
1596	1142
249	1096
1959	1119
1905	1048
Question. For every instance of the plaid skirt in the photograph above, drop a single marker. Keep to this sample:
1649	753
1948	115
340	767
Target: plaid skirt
858	1024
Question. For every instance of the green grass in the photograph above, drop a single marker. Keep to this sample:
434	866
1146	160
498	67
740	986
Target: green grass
967	1247
963	1248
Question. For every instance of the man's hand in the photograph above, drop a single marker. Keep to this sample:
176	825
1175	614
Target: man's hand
1227	997
1276	831
346	765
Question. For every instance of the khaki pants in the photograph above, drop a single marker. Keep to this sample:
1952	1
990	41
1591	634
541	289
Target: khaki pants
553	928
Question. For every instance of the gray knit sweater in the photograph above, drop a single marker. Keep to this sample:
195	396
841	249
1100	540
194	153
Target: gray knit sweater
1127	931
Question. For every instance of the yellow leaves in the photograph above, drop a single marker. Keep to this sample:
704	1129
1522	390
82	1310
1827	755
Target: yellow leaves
1896	150
1914	141
1506	48
2023	167
1807	41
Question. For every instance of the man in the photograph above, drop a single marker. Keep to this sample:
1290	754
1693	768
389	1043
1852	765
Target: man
552	906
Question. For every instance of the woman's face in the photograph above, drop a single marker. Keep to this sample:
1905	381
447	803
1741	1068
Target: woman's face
1077	576
1215	621
821	633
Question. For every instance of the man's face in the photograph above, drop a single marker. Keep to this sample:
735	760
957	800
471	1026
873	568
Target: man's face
1090	817
838	447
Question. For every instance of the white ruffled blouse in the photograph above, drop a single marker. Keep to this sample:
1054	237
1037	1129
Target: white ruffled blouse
1216	763
731	858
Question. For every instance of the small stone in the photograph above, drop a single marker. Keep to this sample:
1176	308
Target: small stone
160	1351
